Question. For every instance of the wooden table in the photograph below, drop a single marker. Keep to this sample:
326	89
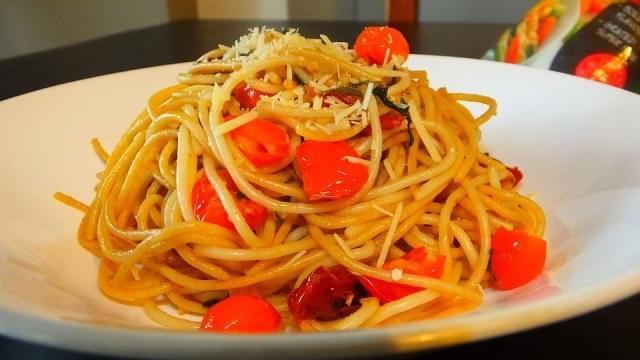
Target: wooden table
612	332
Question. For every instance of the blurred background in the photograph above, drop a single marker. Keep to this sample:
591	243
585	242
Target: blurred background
28	26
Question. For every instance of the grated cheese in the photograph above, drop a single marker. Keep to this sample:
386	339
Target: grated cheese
295	258
367	96
389	237
317	102
357	160
389	168
386	56
343	245
396	274
381	209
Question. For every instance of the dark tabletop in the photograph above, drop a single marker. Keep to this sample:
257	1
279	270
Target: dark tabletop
612	332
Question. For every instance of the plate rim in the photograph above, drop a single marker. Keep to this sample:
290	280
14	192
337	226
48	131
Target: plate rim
47	331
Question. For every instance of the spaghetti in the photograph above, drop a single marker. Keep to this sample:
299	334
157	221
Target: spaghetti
284	160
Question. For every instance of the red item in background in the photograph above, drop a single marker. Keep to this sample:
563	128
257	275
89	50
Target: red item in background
604	68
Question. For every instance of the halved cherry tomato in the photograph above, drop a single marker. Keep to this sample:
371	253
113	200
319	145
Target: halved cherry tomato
262	142
388	121
247	96
374	41
208	208
414	262
516	258
325	173
546	27
242	314
326	294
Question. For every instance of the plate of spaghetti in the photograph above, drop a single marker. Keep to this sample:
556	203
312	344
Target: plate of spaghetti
307	197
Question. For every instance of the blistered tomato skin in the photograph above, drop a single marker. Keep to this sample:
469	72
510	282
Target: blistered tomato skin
242	314
376	44
208	208
325	295
247	96
326	172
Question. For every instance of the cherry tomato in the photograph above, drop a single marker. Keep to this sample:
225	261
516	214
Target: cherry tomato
414	262
208	208
247	96
262	142
604	68
388	121
516	258
324	295
242	314
325	173
374	41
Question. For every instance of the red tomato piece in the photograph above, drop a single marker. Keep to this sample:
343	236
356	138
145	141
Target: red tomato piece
388	121
516	258
208	208
513	178
324	295
262	142
247	96
414	262
374	42
348	99
242	314
325	173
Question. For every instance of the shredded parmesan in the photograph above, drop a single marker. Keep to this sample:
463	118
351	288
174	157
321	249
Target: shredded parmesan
396	274
357	160
343	245
386	56
365	119
317	102
289	73
367	96
381	209
384	251
389	168
295	258
348	111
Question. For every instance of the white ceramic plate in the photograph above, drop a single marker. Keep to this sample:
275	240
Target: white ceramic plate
575	140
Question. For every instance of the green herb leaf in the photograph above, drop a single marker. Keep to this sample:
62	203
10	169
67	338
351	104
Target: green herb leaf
381	93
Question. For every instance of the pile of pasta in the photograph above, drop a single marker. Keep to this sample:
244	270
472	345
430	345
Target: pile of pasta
428	185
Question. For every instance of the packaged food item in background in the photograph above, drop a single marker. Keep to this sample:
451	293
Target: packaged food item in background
594	39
